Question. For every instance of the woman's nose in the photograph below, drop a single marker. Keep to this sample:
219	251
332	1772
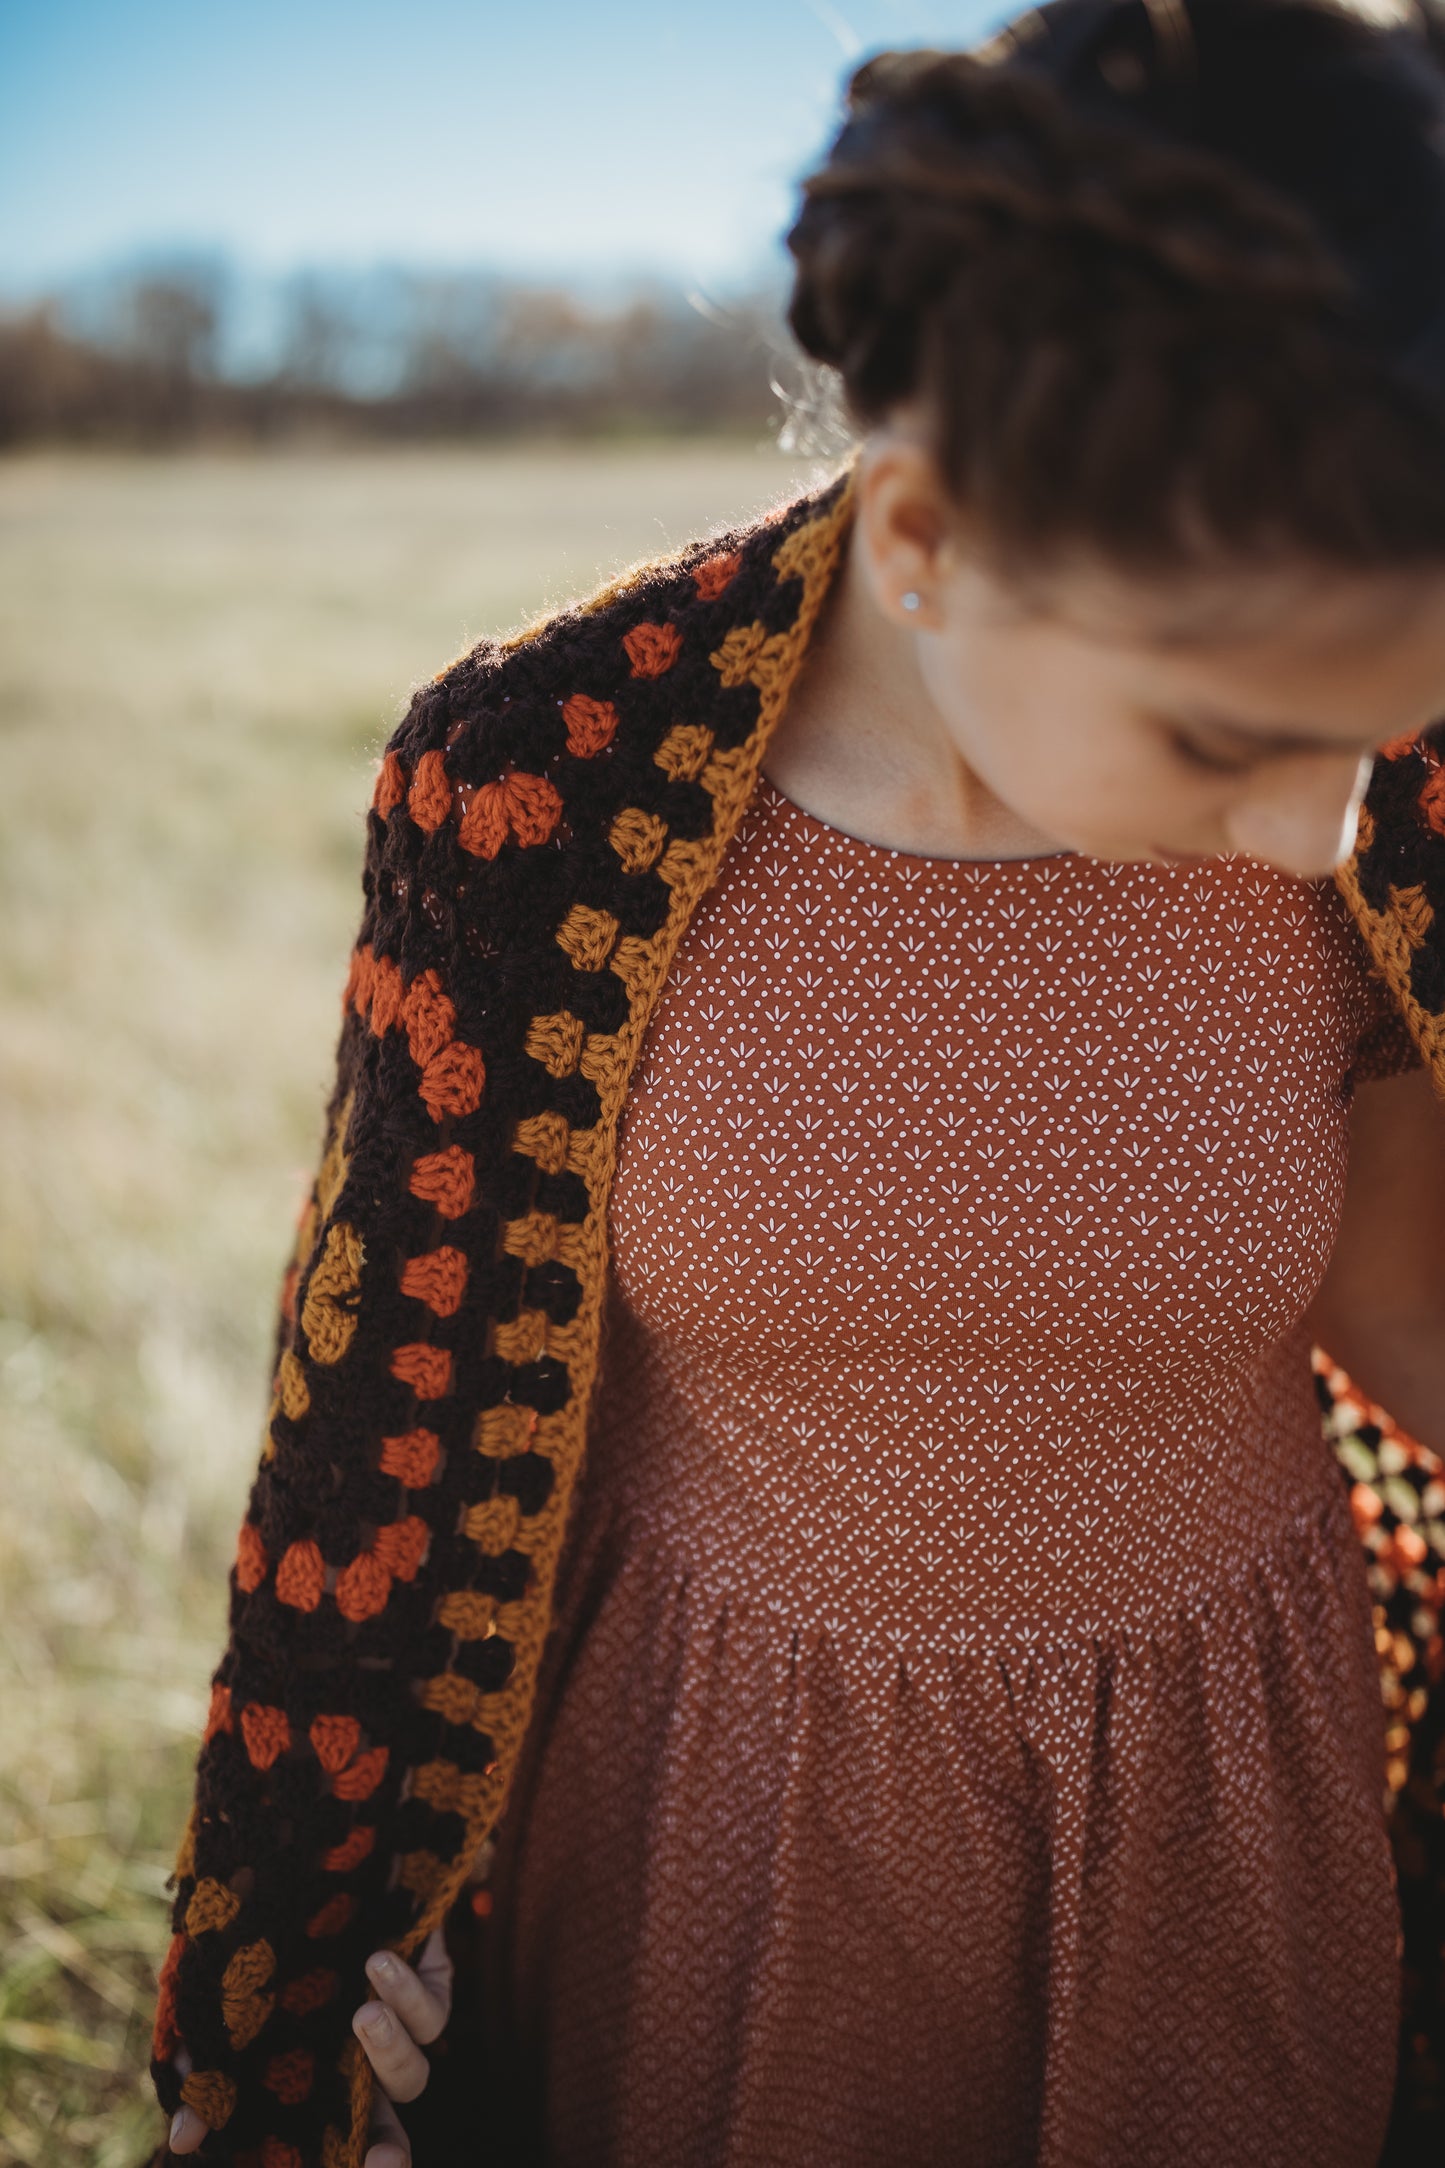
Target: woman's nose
1302	816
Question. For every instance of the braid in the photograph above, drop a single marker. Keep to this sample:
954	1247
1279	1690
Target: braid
1016	150
1103	321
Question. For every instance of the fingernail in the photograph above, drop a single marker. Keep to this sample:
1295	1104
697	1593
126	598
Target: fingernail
381	1964
375	2016
176	2124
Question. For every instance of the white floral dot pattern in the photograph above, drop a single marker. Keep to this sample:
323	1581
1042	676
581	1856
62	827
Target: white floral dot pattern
961	1738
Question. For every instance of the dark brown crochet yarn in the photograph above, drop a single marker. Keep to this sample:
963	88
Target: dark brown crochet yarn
1168	282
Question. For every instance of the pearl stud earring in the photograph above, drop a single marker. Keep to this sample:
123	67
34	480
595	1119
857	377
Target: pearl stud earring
910	601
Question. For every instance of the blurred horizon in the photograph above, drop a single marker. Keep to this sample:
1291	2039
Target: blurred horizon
199	352
562	142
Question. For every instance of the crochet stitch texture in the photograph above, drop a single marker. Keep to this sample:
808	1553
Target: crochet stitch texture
546	819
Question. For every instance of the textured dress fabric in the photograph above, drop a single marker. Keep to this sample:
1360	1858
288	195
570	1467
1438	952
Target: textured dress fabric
960	1739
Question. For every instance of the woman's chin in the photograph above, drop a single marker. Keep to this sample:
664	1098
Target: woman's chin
1181	858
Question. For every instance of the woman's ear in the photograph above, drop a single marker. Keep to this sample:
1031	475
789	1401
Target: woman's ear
907	527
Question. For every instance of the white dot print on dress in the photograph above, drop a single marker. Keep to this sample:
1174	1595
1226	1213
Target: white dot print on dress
995	1153
964	1599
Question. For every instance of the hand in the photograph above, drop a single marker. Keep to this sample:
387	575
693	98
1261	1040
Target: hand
414	2007
187	2129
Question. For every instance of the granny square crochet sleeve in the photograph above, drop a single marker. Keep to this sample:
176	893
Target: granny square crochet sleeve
545	819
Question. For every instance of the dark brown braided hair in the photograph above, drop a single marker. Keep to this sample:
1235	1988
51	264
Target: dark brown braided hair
1165	277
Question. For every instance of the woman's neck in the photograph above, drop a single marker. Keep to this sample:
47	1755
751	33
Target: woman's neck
862	747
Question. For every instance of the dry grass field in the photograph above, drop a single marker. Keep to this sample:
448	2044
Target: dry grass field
199	661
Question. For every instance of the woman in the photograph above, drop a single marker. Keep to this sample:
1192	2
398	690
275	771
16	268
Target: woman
950	1728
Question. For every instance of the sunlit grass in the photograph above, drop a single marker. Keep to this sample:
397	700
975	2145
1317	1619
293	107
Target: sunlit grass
199	660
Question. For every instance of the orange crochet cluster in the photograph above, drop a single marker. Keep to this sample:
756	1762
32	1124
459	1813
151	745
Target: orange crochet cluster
452	1073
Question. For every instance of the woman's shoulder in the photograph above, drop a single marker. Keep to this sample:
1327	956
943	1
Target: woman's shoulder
698	618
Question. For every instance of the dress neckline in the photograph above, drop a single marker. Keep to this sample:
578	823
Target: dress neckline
844	836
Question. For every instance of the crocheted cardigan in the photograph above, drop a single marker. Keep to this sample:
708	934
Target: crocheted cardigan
546	819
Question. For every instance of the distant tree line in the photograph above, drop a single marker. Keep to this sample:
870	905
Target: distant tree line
153	359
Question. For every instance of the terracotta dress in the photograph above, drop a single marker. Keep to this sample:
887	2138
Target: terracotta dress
961	1740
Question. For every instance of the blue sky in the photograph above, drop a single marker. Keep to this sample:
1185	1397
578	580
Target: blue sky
531	134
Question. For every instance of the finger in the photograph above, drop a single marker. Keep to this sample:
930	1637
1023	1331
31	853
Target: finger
187	2131
390	2146
390	2050
434	1968
420	2003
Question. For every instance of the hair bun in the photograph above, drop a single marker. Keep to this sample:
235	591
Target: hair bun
941	155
